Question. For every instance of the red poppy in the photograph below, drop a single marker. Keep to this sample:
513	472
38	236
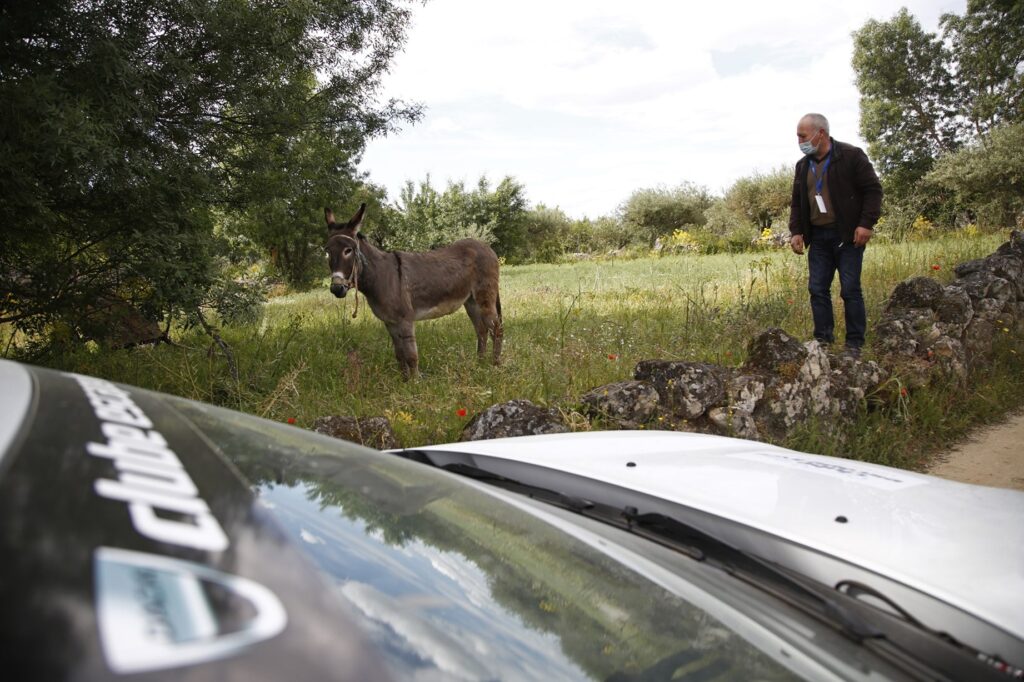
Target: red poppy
903	392
461	412
291	420
936	266
613	356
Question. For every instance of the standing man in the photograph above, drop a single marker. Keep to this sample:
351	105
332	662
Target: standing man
837	200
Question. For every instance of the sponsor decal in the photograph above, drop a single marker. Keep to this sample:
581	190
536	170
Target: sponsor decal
162	500
889	480
154	611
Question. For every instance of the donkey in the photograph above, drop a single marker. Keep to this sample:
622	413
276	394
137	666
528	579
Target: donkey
403	287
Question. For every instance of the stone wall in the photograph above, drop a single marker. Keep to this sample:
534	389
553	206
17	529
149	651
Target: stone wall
927	330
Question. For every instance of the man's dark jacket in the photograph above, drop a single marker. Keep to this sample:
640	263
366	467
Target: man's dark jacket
853	187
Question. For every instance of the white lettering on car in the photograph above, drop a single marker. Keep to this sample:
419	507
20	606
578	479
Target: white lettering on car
151	477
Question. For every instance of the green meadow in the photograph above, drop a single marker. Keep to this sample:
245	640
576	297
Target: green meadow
568	328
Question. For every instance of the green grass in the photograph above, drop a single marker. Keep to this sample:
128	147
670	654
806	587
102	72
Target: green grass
568	328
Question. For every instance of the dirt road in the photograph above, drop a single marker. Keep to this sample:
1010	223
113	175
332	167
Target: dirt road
993	455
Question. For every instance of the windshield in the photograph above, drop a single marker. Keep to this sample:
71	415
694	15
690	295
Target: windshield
451	581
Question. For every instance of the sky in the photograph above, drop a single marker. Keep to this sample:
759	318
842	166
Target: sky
584	102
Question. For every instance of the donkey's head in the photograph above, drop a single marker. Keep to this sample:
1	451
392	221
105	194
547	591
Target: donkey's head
343	252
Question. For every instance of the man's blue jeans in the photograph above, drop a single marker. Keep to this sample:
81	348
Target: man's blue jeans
827	255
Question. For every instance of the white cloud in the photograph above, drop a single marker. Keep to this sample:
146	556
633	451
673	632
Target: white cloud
310	538
585	102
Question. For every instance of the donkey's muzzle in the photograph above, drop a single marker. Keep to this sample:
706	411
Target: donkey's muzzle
339	285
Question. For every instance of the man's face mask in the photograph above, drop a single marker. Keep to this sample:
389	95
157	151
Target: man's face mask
809	147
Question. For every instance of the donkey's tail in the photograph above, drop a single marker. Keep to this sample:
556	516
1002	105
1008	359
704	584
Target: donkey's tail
497	303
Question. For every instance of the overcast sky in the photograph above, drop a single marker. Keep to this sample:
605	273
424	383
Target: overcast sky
586	101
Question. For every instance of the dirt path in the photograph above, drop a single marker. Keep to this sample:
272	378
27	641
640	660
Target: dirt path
993	455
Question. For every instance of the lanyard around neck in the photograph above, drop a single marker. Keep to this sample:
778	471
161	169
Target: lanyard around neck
824	169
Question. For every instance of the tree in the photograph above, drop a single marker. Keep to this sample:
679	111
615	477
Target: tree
430	218
505	214
985	178
654	213
762	199
128	127
288	182
923	96
907	98
422	222
987	50
548	234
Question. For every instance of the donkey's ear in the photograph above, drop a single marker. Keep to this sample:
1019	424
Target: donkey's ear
329	217
357	219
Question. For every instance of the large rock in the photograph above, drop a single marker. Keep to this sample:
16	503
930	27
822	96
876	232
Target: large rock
862	378
1014	247
897	333
774	351
954	310
918	292
374	432
826	385
514	418
950	356
1005	265
625	404
685	389
978	339
734	422
793	392
982	284
746	390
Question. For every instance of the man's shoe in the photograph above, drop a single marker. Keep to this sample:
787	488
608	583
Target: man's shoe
852	352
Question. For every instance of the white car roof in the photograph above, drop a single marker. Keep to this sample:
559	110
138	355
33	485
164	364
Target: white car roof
960	543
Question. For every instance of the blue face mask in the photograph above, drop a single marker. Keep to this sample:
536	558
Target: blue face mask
808	147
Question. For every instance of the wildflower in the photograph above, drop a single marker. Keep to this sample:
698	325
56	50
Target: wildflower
461	412
936	266
613	356
1006	330
903	391
291	420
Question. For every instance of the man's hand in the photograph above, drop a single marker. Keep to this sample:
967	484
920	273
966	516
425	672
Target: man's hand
861	236
796	242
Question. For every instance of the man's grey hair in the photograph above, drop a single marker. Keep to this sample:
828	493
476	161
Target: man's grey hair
818	121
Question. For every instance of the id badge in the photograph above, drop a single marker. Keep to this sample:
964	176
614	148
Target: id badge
821	203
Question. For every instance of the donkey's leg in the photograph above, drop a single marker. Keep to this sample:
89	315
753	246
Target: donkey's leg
473	310
497	329
490	314
403	337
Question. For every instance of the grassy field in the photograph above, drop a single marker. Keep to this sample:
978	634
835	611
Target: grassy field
568	328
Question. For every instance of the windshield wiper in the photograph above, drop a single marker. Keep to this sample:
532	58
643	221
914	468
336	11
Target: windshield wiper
902	640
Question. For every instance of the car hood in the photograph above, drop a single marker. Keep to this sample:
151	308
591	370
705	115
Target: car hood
839	519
